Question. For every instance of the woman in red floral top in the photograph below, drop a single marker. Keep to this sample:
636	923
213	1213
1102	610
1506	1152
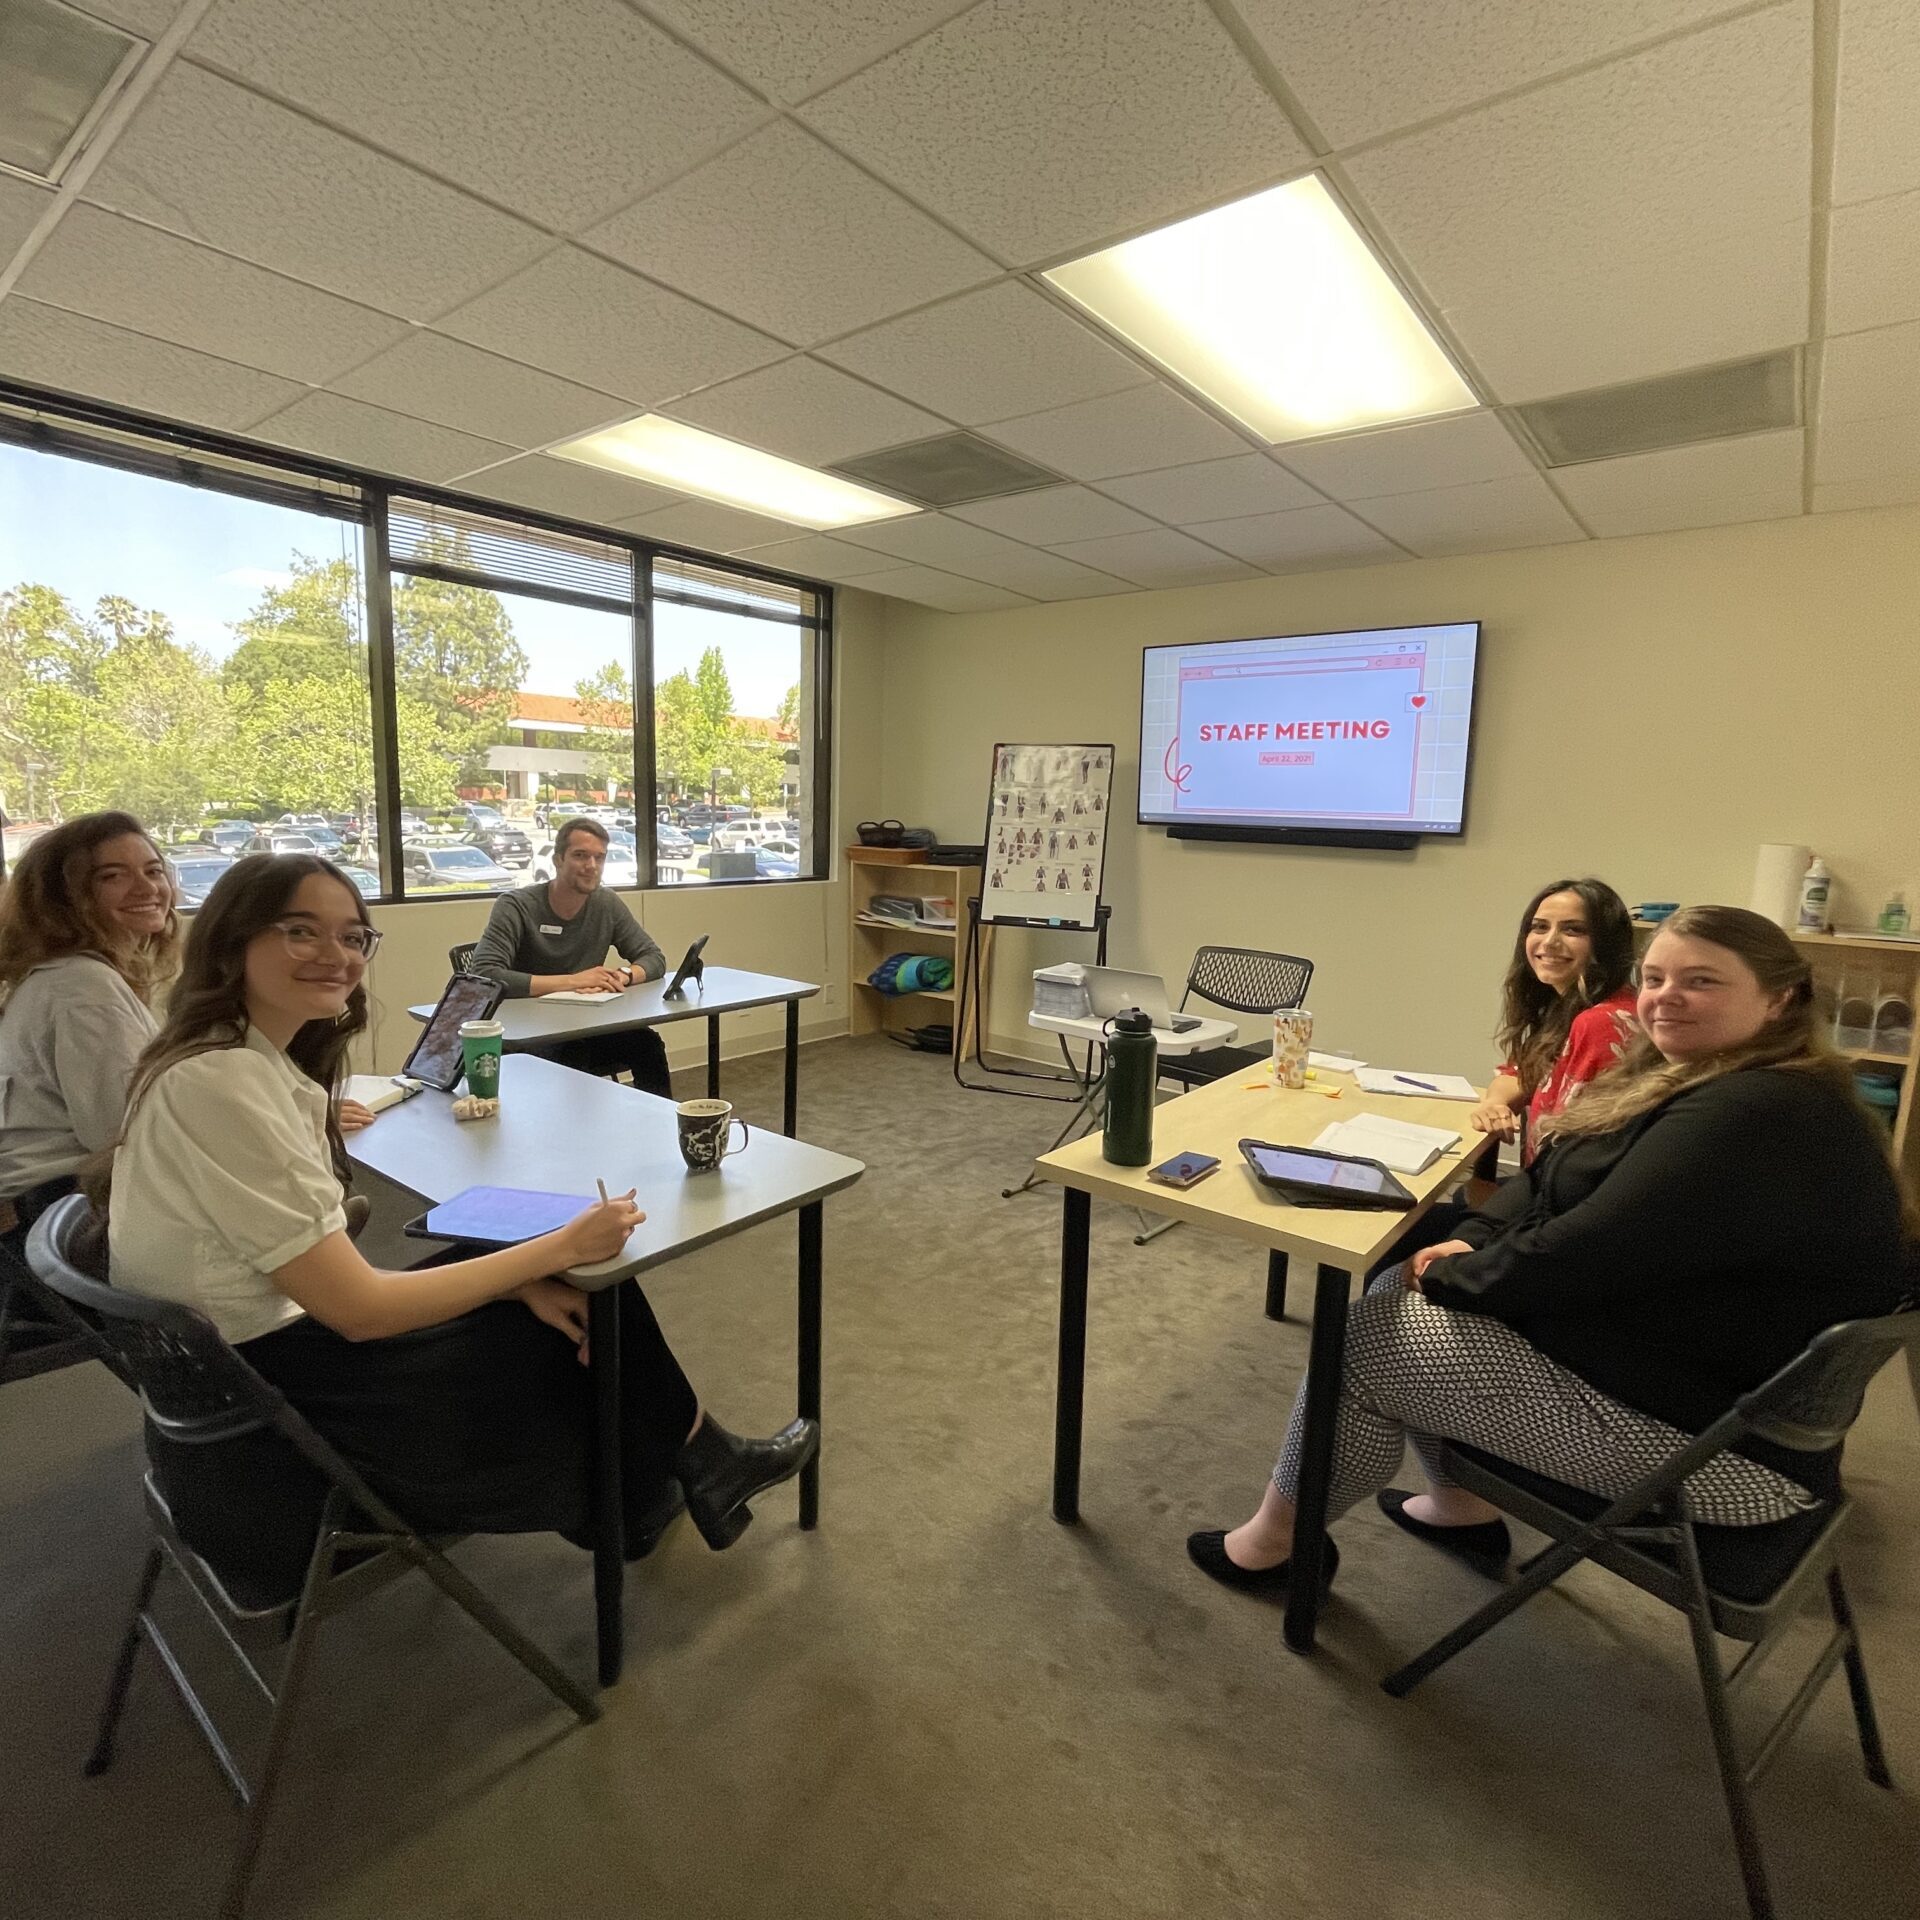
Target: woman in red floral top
1568	1007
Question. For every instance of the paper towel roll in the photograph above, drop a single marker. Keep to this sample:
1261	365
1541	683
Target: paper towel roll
1776	883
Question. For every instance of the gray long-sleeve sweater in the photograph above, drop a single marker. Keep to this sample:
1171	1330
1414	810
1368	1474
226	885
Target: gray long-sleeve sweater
525	936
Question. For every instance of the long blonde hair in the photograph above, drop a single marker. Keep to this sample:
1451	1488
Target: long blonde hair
47	910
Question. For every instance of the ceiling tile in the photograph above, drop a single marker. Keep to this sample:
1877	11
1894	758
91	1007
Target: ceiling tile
443	380
711	528
1847	496
1158	558
1046	576
936	541
220	165
791	51
148	17
136	276
568	489
821	557
1863	449
1754	477
1364	67
942	590
1431	453
44	347
1646	216
804	411
1215	490
1876	130
1045	127
989	355
21	205
1873	264
1864	375
1051	515
786	234
1119	433
1319	536
362	436
591	321
1486	517
561	113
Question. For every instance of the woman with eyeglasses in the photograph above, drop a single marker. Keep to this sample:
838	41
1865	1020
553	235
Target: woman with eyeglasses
454	1388
88	934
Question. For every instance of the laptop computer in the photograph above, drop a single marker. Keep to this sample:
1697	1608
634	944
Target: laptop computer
1112	990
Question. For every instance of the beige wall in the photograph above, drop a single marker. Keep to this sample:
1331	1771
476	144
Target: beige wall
1649	710
798	929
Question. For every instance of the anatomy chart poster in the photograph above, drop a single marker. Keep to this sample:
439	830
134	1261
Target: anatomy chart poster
1048	811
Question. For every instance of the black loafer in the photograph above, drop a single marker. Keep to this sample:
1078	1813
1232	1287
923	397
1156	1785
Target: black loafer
1486	1548
721	1473
1208	1552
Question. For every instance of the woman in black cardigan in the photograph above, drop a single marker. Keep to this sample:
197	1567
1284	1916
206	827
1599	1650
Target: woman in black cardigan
1701	1213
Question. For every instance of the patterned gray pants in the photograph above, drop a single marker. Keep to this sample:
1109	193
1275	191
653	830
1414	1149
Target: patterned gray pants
1415	1370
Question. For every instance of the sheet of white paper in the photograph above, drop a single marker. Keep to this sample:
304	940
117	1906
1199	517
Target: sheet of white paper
1434	1086
1334	1062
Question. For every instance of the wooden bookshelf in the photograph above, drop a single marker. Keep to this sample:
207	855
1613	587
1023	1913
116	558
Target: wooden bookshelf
872	938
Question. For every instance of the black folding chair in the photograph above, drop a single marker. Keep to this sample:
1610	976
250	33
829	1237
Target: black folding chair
40	1332
457	957
198	1392
1748	1583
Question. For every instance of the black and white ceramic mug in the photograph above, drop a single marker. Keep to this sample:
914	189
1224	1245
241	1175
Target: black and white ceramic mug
705	1126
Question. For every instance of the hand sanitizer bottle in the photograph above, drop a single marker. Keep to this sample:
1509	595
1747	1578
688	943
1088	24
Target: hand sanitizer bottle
1893	916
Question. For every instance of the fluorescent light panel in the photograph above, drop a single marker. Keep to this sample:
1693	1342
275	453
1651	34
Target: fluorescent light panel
691	460
1276	310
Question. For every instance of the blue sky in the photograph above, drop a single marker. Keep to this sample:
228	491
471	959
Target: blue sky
204	558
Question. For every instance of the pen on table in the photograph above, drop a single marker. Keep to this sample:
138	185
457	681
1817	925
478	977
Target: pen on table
1407	1080
602	1185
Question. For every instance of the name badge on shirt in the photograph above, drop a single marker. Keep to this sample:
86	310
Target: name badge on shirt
553	929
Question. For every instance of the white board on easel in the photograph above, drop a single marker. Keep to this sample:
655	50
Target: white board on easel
1048	811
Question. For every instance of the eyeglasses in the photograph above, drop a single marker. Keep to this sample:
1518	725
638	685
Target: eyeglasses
304	940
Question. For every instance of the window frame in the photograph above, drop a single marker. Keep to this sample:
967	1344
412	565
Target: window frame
70	427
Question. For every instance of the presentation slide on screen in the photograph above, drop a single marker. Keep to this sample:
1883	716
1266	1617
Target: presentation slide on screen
1332	729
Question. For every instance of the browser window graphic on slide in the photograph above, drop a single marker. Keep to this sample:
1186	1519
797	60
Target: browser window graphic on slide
1361	730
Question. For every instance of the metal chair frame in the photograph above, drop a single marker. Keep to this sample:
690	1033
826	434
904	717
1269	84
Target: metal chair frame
1807	1406
198	1391
61	1336
457	957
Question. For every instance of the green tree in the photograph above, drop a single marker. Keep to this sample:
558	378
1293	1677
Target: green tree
310	629
606	707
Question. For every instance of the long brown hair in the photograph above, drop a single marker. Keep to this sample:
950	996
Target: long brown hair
1644	1079
47	910
1536	1018
208	1007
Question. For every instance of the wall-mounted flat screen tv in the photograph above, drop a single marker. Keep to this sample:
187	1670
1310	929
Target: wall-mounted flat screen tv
1322	739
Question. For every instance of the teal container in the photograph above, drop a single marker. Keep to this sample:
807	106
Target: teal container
1132	1069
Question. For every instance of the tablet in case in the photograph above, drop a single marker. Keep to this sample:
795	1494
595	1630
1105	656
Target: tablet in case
1310	1177
498	1216
436	1059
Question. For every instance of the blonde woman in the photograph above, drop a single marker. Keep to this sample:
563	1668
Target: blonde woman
87	934
1695	1218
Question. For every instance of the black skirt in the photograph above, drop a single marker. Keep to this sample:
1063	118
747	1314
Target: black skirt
483	1424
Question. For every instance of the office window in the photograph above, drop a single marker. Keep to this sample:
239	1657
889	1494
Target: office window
512	661
197	657
736	682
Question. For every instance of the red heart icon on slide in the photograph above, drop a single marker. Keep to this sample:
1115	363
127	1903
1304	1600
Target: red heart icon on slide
1417	700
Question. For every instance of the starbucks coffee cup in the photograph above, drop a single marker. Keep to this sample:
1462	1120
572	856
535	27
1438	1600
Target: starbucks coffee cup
481	1042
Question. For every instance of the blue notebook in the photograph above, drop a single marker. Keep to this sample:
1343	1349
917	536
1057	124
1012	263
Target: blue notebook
498	1216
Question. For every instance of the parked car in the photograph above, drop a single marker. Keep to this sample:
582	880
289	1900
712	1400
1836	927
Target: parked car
283	840
766	866
231	837
365	880
301	822
479	815
670	842
621	870
194	875
426	866
504	842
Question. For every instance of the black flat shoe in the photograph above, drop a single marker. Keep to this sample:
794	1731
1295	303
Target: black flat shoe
1208	1552
1486	1548
721	1473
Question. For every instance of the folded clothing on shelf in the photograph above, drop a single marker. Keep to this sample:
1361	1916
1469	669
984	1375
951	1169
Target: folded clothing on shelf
913	973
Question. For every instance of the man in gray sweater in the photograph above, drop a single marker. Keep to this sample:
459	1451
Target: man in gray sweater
554	938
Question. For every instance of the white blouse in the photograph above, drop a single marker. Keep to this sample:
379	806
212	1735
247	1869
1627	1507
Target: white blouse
224	1176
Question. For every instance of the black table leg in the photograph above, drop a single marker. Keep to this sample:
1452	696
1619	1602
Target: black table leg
791	1121
713	1056
609	1526
1276	1284
1326	1354
1076	1210
810	1289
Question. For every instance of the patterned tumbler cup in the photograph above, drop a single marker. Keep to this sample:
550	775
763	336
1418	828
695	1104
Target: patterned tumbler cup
1292	1036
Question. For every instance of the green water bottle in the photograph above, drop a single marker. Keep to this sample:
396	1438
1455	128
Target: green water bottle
1132	1069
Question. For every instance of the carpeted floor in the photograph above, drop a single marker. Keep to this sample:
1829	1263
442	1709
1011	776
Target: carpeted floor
943	1704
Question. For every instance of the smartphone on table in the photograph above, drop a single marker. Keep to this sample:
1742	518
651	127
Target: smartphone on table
1183	1170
